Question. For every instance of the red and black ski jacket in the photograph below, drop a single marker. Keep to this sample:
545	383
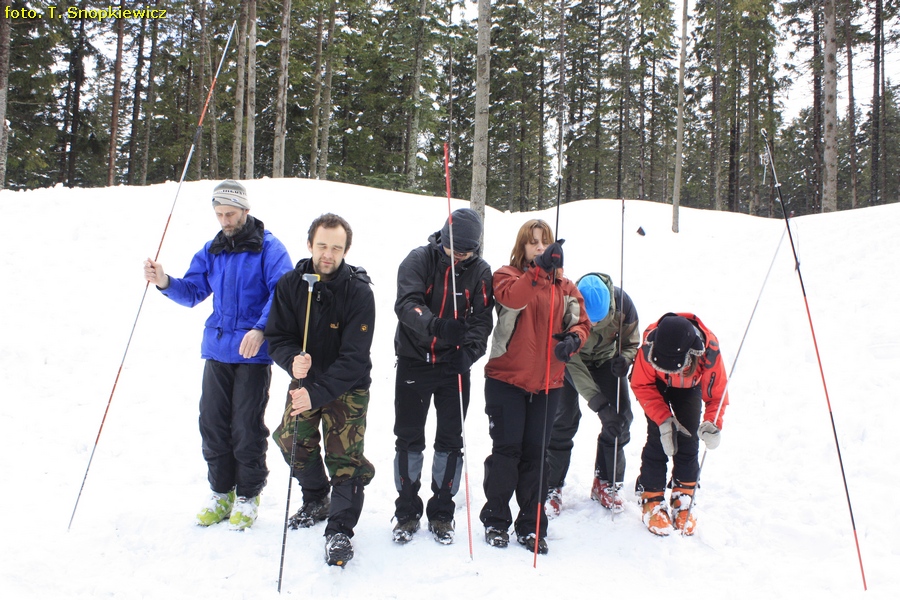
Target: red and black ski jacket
425	293
708	372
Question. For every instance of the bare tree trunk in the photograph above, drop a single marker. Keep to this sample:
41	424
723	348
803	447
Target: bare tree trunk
875	134
643	111
542	98
204	66
412	120
829	193
281	94
4	84
209	63
148	113
237	142
77	71
851	108
883	146
136	104
317	97
598	102
326	103
716	149
478	193
117	98
249	166
752	119
818	64
679	127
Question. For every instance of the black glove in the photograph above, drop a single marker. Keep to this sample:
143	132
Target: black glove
567	346
613	423
552	258
598	402
458	362
618	366
451	331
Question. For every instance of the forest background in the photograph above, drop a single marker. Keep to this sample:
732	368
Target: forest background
368	93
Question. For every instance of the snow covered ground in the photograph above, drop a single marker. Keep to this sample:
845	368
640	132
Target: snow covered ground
773	516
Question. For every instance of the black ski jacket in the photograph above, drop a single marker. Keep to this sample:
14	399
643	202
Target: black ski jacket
425	292
341	323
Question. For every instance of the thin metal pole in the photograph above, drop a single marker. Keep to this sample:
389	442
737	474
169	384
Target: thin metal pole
187	163
818	356
621	309
311	279
462	412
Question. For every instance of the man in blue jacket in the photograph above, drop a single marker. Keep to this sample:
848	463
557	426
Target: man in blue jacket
239	268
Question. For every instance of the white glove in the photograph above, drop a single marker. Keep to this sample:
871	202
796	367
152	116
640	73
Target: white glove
668	435
710	434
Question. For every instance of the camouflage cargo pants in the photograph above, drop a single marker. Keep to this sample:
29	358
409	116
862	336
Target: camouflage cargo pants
343	422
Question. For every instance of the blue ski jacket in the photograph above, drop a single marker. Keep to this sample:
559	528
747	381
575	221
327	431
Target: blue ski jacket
241	275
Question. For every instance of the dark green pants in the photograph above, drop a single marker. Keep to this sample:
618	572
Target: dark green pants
343	429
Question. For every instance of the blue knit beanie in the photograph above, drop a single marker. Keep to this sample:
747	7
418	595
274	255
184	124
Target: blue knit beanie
596	297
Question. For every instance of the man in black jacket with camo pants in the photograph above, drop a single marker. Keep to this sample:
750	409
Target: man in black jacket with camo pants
327	354
436	343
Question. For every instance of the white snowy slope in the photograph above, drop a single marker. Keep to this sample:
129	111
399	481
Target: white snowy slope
773	515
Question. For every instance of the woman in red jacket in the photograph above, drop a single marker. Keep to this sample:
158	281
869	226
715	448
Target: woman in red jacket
541	322
677	371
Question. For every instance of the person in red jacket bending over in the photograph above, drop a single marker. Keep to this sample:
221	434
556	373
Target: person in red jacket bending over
678	377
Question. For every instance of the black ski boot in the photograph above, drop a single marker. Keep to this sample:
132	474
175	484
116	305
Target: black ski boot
442	531
312	512
528	542
338	549
496	537
404	530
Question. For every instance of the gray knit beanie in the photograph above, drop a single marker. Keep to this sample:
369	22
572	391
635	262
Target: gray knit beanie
232	193
466	231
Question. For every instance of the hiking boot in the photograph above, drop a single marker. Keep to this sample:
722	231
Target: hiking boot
243	515
338	549
496	537
528	542
655	513
404	530
216	509
553	505
312	512
681	500
442	531
607	495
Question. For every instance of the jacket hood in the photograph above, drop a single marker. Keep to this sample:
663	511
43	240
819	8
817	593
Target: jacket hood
248	239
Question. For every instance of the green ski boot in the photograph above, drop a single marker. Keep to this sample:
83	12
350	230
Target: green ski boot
243	515
217	509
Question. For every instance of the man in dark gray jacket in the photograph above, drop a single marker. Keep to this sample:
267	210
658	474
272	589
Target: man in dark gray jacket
444	303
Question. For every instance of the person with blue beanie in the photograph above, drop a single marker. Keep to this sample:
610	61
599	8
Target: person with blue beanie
596	373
